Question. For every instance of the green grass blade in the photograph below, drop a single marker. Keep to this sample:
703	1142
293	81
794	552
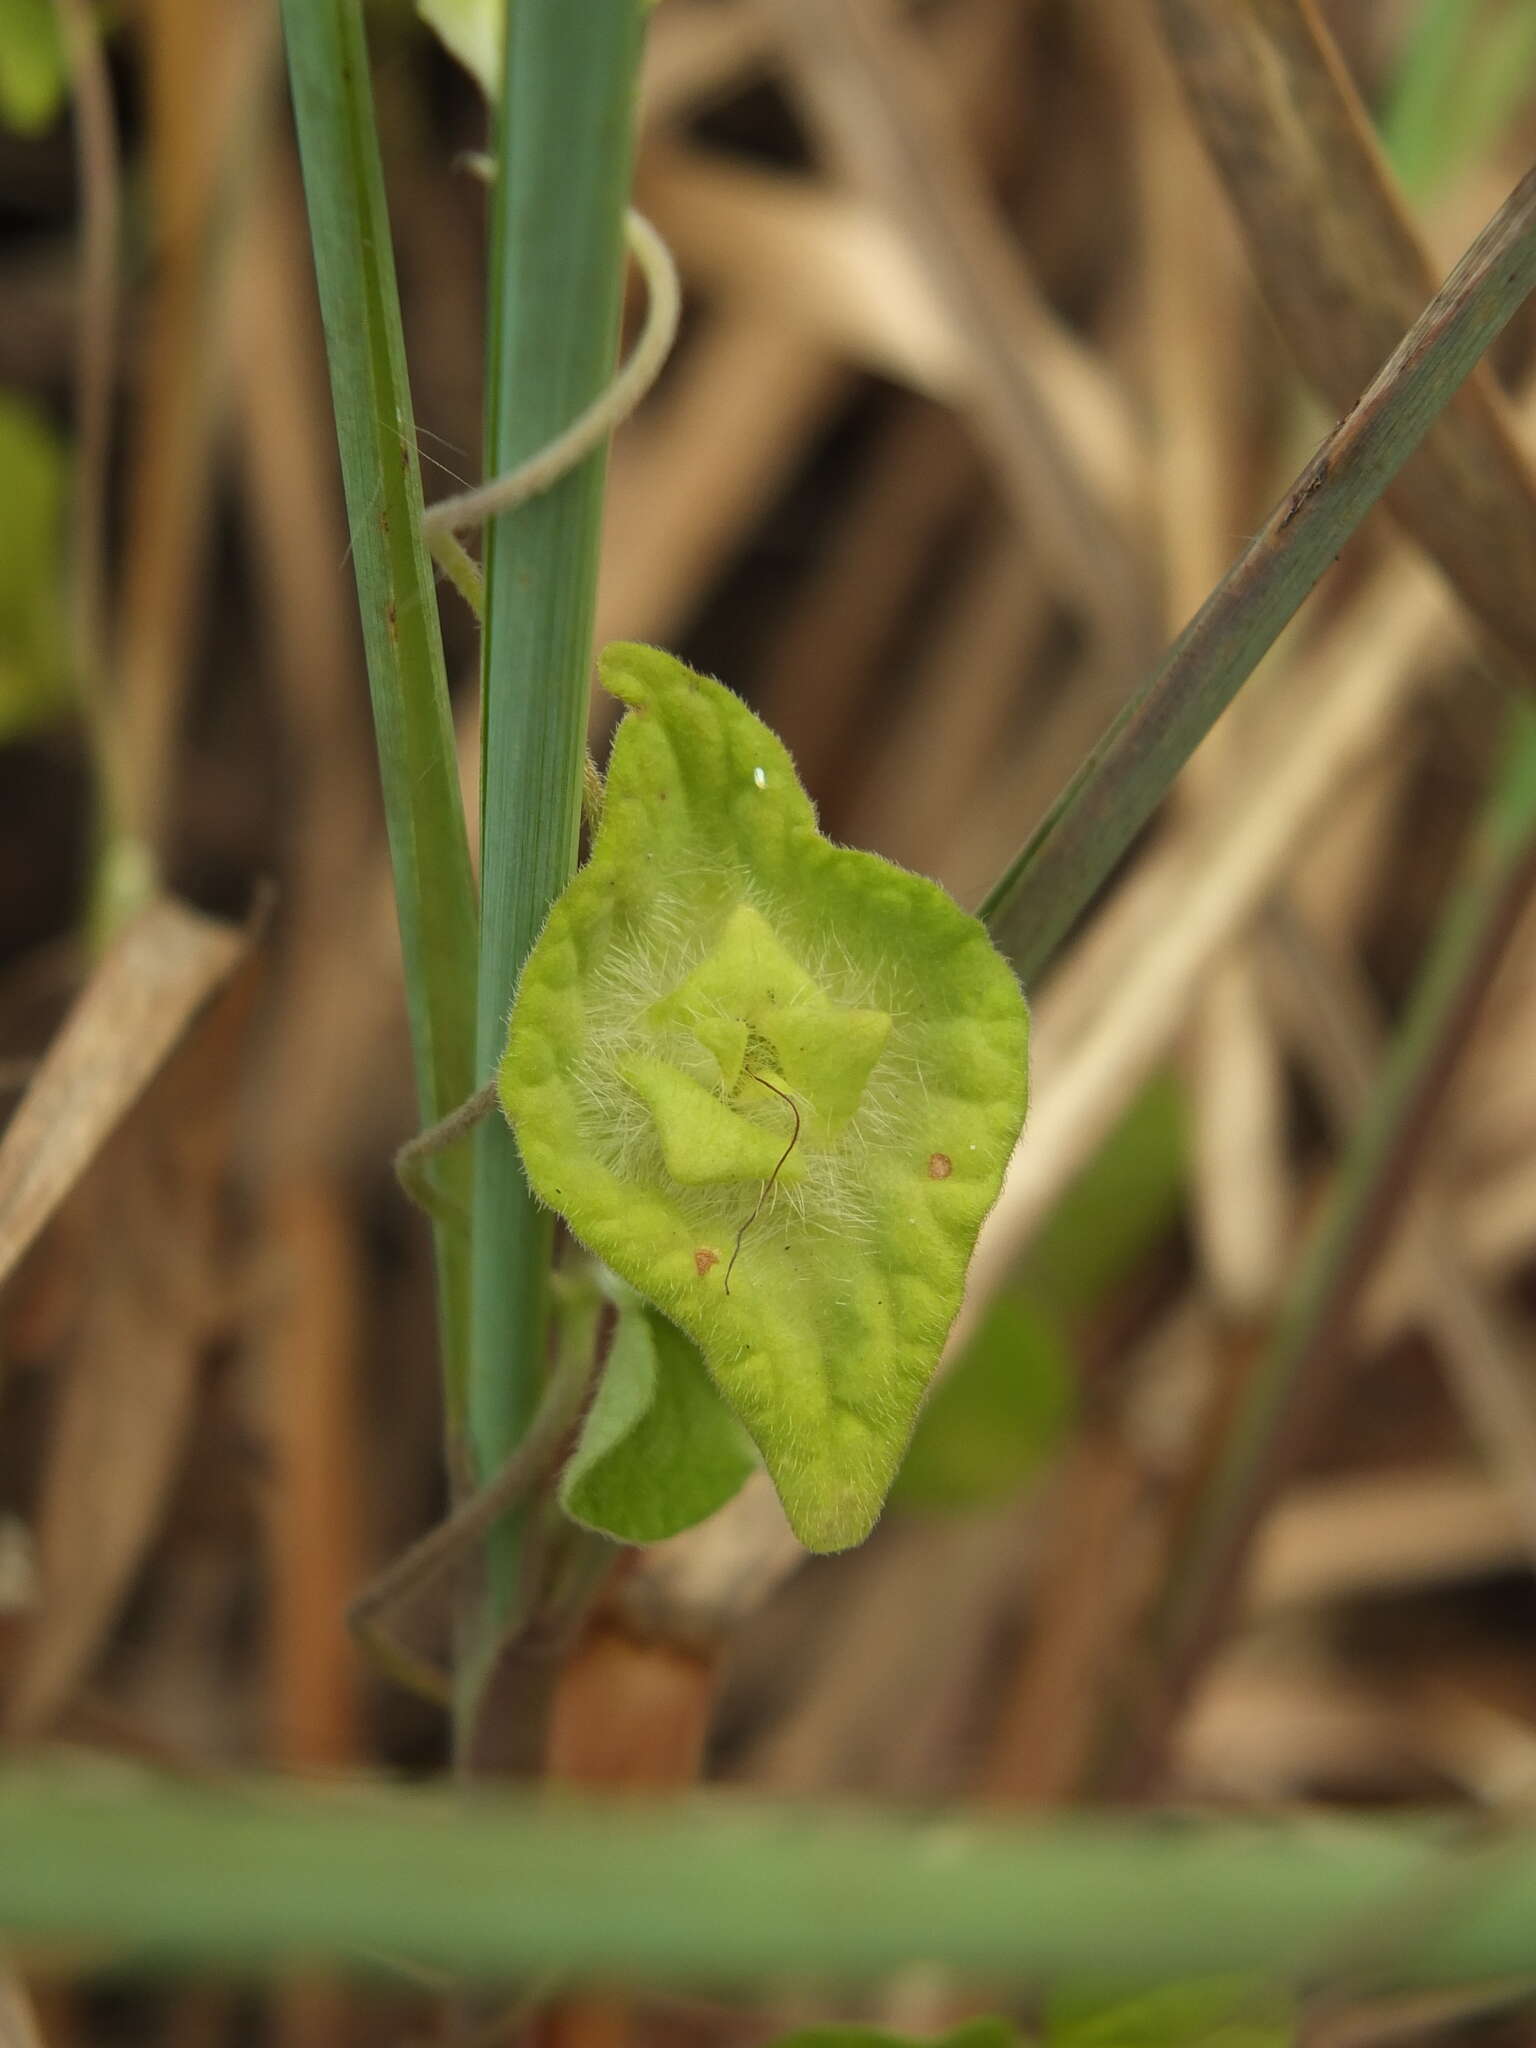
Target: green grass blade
556	275
717	1894
1075	849
429	846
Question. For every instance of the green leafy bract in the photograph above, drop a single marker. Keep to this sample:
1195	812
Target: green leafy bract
773	1083
659	1450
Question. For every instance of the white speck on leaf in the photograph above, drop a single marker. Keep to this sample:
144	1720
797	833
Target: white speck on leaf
760	777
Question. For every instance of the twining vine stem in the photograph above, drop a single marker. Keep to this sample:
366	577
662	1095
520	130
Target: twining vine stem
442	523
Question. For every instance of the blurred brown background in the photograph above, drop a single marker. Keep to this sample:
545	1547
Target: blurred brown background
954	438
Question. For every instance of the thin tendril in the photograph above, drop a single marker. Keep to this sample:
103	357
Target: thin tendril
440	522
767	1188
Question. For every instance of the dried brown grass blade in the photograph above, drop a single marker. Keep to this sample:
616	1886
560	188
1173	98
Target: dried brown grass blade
822	668
18	2022
1480	1342
874	102
311	1413
1195	893
146	1239
940	740
1338	1539
206	71
699	51
154	980
692	475
917	1622
1346	276
831	266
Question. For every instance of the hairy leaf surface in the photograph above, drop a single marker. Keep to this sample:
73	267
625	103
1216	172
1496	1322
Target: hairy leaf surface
774	1083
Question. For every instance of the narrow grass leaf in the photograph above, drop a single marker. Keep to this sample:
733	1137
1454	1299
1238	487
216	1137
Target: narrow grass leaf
429	845
563	142
715	1893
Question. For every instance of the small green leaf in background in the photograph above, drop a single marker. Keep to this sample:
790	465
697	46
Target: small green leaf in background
773	1083
471	31
1005	1406
1203	2012
997	1417
972	2034
33	73
1465	69
659	1450
34	628
1127	1197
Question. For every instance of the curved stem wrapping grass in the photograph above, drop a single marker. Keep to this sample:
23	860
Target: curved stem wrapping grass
587	432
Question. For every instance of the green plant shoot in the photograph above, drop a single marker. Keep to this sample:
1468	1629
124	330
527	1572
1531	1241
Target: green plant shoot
658	1450
773	1083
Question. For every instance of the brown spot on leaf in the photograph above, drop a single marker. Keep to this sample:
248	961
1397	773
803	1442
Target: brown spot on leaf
704	1258
940	1166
